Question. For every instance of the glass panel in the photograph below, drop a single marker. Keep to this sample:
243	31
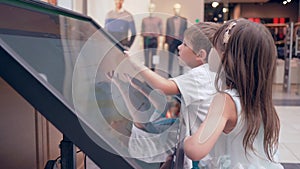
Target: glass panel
77	58
50	43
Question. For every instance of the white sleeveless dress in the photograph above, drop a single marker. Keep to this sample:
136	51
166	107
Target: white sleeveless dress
229	153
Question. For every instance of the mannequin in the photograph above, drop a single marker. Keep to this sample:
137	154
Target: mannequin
151	9
151	30
176	25
177	8
118	5
119	22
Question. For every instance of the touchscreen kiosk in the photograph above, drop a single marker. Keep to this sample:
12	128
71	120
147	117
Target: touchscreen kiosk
61	62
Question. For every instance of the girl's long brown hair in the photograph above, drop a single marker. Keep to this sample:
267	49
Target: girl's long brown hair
248	64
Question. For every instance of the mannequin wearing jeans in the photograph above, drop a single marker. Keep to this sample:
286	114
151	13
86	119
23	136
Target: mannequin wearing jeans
176	25
151	30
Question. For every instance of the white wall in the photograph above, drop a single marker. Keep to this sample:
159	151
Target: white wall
77	5
65	4
191	9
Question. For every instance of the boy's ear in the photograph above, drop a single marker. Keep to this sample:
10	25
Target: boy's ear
202	54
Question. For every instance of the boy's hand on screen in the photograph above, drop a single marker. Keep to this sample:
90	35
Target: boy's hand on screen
135	61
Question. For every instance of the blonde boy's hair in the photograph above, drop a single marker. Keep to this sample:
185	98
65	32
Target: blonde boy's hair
200	36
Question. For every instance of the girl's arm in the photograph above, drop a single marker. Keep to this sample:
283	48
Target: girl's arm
221	114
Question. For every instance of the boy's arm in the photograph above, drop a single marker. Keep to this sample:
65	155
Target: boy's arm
133	111
156	81
156	98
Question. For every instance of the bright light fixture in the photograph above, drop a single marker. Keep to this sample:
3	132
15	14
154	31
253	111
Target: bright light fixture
214	4
225	10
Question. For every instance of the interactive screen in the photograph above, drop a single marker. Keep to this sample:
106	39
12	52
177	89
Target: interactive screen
86	67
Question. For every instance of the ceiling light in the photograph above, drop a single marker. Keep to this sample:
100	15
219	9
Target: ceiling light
214	4
225	10
284	2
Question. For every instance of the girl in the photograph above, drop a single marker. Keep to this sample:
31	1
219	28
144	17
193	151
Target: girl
241	129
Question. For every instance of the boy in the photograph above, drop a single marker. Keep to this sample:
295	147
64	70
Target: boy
195	86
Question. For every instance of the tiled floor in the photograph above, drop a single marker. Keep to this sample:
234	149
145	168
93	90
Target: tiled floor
289	147
288	108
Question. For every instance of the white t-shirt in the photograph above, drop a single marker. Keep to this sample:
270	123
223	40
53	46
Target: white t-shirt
152	148
197	90
229	152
